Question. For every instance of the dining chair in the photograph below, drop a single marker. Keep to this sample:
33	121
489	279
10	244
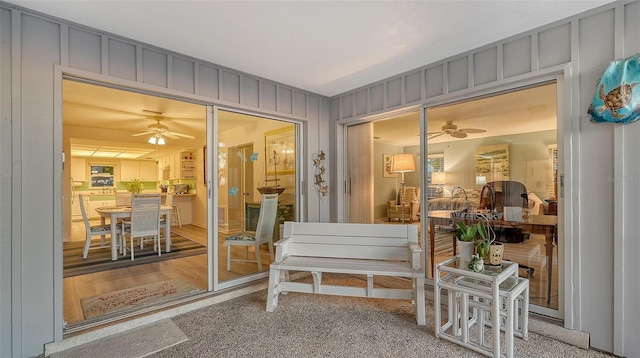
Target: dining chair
262	235
145	222
123	199
92	230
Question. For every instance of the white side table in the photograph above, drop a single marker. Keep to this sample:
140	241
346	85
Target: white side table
493	296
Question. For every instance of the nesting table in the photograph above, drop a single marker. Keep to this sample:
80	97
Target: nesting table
481	305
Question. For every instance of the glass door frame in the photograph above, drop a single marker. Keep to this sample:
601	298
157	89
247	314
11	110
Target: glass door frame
213	193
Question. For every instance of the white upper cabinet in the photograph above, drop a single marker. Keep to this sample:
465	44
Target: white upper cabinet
144	170
78	169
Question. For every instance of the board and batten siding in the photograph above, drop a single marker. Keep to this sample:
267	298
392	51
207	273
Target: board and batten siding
34	49
606	168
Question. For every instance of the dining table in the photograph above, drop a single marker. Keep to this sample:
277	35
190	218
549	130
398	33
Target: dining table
124	212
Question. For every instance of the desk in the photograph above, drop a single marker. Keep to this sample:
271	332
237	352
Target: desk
535	224
122	212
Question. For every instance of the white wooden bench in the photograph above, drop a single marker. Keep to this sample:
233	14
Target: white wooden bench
364	249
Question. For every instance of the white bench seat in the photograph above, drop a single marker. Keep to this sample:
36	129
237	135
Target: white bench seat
357	249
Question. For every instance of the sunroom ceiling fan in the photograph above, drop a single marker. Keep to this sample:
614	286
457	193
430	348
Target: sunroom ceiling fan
452	130
160	130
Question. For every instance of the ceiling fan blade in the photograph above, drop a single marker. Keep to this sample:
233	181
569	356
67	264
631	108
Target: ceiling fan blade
434	135
181	135
472	130
458	134
143	133
169	135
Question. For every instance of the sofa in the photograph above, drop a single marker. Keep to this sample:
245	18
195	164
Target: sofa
457	202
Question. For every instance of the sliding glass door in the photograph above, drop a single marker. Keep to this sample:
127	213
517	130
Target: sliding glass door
254	155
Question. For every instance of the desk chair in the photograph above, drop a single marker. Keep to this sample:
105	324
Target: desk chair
90	231
497	195
262	235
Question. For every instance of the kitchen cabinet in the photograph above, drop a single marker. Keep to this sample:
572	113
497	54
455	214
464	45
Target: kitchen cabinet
144	170
96	203
78	169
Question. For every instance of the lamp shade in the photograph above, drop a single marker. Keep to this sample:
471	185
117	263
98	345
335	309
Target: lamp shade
438	178
403	163
481	180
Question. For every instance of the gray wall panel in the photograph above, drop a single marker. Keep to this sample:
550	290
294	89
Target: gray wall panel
376	95
299	104
394	92
285	100
154	68
183	75
122	60
250	91
346	110
552	46
314	107
361	102
632	30
413	87
596	35
485	69
334	109
268	96
208	81
85	50
6	216
230	87
40	43
516	57
458	74
434	81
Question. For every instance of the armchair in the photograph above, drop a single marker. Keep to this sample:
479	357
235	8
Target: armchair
411	205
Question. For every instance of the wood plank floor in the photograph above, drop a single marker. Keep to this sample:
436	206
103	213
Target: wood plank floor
191	269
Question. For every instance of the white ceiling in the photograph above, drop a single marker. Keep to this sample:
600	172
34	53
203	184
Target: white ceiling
325	47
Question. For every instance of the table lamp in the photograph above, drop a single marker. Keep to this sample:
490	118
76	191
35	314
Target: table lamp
403	163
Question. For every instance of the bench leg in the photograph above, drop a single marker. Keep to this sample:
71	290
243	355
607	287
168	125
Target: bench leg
419	301
317	281
274	290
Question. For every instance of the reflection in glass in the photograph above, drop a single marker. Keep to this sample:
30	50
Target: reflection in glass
254	154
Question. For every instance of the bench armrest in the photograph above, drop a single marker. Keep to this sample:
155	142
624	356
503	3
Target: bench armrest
282	249
414	252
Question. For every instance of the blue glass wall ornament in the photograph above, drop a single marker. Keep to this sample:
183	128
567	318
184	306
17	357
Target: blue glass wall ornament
617	97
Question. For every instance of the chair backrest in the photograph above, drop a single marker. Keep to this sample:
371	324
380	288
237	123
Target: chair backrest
123	199
267	218
84	212
505	193
145	215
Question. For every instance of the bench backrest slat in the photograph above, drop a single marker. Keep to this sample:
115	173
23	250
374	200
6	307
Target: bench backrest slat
340	240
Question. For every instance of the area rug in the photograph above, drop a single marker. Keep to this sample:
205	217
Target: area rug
134	297
99	259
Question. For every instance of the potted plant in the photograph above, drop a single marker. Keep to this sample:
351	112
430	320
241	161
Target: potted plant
466	240
486	247
135	186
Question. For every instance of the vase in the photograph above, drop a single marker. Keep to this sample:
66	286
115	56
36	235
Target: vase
466	250
496	252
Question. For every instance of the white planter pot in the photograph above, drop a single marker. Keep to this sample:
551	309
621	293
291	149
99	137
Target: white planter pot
466	250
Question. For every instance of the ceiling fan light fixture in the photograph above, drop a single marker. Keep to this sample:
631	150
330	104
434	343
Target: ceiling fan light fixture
156	139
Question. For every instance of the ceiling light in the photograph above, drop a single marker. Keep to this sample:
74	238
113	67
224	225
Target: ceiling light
157	139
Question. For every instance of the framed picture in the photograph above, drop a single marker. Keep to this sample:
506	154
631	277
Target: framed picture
387	165
492	163
280	150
